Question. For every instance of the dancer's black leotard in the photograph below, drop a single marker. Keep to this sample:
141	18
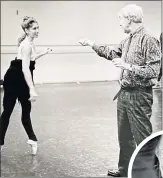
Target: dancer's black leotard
14	80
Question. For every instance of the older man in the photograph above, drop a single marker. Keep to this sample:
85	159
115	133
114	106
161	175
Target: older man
139	58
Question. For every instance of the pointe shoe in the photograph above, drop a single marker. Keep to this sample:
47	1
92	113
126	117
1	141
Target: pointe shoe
33	145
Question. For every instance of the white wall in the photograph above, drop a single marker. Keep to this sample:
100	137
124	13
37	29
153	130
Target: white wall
62	24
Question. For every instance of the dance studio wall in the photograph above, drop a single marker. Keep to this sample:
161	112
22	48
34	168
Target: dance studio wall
62	24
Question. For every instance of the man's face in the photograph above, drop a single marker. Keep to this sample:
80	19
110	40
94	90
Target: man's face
125	24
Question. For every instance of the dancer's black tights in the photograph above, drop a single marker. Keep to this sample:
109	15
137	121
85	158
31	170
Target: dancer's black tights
9	101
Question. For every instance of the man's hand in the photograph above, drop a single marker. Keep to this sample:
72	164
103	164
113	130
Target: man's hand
86	42
119	62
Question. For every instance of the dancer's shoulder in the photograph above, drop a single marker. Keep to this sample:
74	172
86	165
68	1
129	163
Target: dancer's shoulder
25	47
25	44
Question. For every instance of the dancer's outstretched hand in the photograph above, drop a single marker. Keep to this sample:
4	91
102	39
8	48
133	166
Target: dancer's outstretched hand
47	50
86	42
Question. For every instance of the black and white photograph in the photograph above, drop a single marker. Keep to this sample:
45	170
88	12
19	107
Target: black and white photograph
81	88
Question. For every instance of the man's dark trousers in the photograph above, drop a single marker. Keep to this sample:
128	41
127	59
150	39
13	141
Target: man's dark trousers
134	109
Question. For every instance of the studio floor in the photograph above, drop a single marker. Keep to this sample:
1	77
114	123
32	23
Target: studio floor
76	126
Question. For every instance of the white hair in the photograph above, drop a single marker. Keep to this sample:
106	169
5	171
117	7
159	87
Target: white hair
133	13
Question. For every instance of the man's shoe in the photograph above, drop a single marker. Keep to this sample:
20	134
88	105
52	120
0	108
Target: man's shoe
114	173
